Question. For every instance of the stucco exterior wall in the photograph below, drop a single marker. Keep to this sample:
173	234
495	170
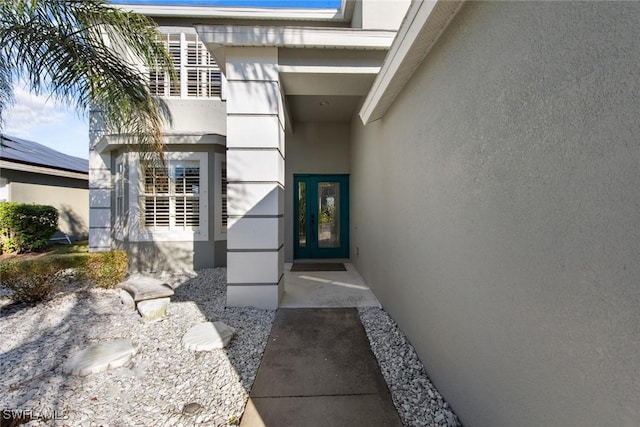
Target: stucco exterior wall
69	196
197	116
314	148
379	14
495	213
169	255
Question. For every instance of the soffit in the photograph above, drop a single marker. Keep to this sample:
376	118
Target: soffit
323	108
323	85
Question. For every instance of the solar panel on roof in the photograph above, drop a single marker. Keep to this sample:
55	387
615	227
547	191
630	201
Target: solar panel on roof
29	152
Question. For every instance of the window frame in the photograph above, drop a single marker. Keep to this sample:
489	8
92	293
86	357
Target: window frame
139	233
119	194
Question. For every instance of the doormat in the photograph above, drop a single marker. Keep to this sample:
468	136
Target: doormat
313	266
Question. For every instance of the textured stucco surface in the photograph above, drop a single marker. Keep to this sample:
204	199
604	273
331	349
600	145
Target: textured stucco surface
313	148
170	256
200	116
495	210
379	14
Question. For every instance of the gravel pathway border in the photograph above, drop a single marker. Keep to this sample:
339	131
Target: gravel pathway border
165	384
417	400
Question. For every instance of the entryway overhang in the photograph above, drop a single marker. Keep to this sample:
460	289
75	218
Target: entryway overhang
277	76
323	72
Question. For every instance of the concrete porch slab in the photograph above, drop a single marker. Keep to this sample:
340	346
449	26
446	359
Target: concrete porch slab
317	289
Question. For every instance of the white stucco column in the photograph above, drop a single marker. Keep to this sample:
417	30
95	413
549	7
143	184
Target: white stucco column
100	189
255	175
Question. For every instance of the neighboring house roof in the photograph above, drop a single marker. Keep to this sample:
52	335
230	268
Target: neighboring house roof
29	156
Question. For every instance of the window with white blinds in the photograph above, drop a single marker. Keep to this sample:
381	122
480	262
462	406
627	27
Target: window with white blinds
170	201
171	198
197	74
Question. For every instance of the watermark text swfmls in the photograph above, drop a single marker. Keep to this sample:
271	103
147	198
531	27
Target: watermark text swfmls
32	414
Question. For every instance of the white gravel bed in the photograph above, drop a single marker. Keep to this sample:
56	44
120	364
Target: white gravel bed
416	399
160	380
165	384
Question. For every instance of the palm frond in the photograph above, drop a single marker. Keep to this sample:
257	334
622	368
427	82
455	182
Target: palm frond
88	54
6	89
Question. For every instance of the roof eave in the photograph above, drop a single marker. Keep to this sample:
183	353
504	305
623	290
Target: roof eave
26	167
422	26
287	36
111	142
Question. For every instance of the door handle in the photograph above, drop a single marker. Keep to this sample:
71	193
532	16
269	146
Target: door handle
313	227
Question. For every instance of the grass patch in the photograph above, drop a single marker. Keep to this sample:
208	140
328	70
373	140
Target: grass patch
74	248
81	247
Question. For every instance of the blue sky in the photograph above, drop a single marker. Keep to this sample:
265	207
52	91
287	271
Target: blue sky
242	3
36	118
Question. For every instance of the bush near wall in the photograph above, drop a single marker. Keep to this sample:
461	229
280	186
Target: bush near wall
105	269
39	279
26	227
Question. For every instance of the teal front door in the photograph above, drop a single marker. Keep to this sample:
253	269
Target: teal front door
321	206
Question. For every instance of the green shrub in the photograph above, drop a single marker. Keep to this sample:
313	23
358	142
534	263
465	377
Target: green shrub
106	269
32	280
38	279
26	227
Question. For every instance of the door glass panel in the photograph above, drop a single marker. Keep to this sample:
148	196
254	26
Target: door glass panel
328	214
302	212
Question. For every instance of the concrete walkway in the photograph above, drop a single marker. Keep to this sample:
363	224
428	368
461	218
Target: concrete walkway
318	370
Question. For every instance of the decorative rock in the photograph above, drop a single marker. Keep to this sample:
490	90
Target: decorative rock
100	357
153	309
191	408
208	336
400	366
212	379
451	419
145	288
126	299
